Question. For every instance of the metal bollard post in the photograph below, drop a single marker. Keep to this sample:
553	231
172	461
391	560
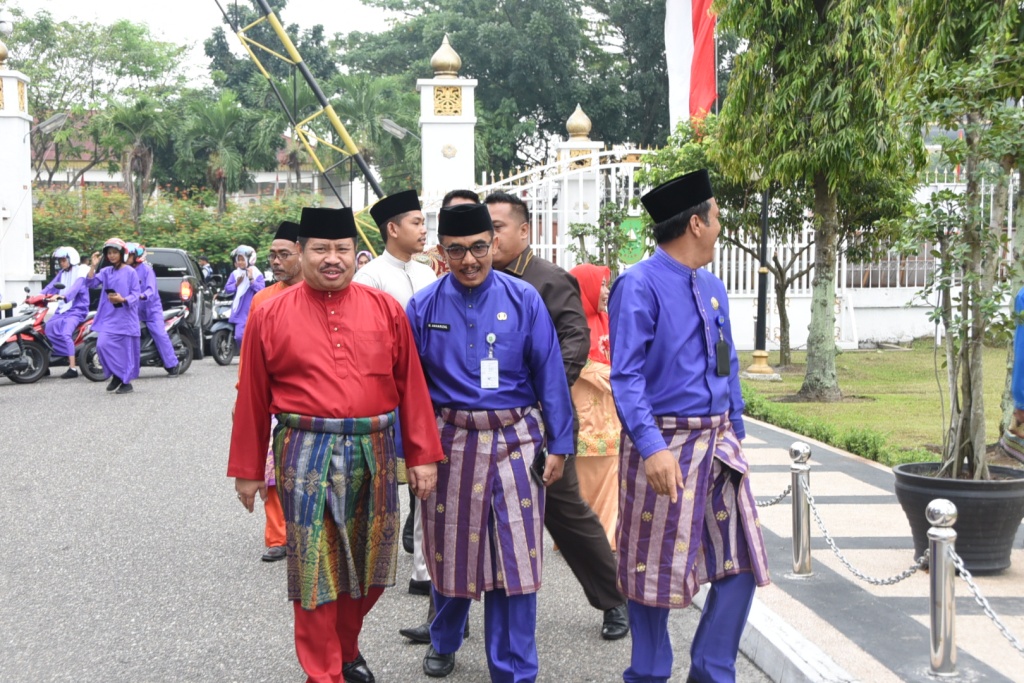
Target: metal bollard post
941	514
800	471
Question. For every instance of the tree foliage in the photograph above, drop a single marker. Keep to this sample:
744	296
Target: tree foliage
80	68
965	70
812	101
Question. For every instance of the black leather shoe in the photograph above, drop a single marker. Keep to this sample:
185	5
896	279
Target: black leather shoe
616	623
417	634
437	665
70	373
125	389
407	533
278	552
114	384
173	372
356	671
419	587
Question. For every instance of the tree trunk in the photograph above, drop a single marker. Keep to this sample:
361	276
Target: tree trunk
1016	283
222	197
821	382
785	353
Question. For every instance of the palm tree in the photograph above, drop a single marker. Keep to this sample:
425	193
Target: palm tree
135	129
229	142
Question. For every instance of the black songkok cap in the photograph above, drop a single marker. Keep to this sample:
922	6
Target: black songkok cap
327	224
287	231
463	220
677	195
393	205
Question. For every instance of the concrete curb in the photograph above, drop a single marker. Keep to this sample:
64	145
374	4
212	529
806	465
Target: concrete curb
780	651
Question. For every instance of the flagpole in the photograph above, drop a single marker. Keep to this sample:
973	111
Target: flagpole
716	66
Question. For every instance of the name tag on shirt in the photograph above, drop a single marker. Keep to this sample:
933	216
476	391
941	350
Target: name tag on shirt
489	373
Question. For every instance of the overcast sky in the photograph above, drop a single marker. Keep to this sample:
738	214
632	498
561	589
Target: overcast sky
191	21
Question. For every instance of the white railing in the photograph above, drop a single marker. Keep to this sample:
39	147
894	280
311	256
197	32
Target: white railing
573	189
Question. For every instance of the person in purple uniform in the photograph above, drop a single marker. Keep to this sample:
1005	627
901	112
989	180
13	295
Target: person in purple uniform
74	306
243	282
151	310
491	356
117	316
687	515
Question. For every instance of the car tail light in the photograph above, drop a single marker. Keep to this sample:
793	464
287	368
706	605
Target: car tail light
185	291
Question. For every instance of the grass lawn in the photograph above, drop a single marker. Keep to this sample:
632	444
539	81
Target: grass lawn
893	392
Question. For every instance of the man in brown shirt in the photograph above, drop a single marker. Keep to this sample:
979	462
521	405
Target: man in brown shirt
573	526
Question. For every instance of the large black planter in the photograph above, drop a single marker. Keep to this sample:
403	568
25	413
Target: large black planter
989	512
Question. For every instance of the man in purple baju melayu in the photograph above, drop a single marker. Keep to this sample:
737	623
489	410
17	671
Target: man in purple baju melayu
117	316
687	515
492	359
70	313
151	310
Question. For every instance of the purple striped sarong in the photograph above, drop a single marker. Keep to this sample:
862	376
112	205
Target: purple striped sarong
666	551
483	525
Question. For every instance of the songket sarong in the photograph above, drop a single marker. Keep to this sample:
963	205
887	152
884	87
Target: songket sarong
483	525
336	481
119	355
666	551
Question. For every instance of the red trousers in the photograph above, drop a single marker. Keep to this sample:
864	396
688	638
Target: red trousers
329	635
274	533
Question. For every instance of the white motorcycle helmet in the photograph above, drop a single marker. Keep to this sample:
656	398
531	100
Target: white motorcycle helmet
70	253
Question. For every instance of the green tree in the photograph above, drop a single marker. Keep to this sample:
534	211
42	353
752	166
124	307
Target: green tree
237	72
224	142
966	68
135	129
80	68
811	101
535	60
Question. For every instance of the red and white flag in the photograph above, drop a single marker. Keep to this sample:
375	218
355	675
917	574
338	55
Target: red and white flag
690	57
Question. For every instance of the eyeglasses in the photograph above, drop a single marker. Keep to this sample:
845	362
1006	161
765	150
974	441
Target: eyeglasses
280	255
457	252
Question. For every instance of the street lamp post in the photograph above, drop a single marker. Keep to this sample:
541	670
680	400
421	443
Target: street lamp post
760	369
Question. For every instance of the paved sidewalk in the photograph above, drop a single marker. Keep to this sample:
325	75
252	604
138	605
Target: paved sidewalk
836	627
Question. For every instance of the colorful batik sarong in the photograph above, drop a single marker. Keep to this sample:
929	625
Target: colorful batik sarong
483	526
666	551
336	480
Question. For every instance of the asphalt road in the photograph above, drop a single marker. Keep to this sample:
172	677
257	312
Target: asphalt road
126	557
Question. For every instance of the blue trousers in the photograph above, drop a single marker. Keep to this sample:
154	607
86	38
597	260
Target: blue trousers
510	626
715	643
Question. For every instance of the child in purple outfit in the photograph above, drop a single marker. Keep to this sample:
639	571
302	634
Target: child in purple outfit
151	310
117	316
243	282
70	313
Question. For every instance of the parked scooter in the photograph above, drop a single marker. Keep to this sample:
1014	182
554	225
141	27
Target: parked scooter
177	327
43	309
24	349
222	338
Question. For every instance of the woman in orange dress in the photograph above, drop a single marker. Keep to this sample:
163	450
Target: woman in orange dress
597	451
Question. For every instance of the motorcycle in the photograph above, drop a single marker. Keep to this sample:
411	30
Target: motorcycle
24	349
178	329
222	332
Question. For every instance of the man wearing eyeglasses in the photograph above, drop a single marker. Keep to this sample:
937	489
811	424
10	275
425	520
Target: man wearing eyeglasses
491	357
574	528
286	264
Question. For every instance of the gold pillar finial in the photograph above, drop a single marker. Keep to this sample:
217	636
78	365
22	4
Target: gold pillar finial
446	61
579	125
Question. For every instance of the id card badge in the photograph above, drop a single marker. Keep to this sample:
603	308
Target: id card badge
489	366
489	373
722	353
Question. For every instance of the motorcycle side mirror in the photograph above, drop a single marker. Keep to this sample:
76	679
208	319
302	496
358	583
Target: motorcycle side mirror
28	291
217	280
59	286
